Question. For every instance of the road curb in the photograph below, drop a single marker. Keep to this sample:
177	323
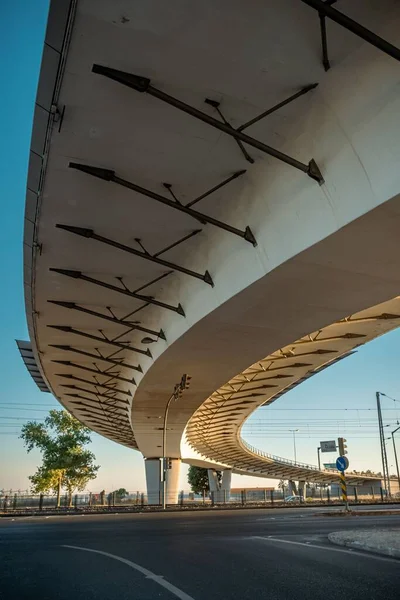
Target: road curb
337	537
359	513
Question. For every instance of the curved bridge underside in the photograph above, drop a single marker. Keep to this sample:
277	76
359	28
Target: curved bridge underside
195	201
214	431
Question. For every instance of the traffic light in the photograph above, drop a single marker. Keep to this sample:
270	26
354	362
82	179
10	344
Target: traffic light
169	463
342	446
184	384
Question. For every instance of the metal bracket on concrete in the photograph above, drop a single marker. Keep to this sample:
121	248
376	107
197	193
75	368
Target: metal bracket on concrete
113	319
325	9
243	150
80	389
143	84
148	299
68	363
100	357
95	404
94	383
121	345
109	175
90	234
324	40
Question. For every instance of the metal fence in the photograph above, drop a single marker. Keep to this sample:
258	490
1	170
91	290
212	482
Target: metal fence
91	501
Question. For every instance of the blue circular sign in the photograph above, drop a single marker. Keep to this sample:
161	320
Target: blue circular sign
342	463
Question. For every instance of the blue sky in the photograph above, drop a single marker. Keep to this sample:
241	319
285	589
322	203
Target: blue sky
346	392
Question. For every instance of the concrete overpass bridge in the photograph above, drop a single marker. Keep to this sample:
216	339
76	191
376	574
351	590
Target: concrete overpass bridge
210	187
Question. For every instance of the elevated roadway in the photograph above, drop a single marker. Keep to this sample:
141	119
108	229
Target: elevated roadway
169	229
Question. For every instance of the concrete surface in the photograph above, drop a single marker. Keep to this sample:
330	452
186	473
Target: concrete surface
246	555
383	541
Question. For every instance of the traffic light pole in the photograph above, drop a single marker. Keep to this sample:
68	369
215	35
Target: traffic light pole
173	396
178	390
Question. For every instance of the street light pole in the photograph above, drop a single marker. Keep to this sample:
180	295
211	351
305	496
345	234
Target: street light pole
294	444
395	455
178	391
319	457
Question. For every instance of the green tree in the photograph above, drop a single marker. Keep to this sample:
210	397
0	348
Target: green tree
121	493
66	463
198	479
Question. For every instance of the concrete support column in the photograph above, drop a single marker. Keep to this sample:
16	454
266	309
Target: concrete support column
226	484
302	489
213	480
155	489
292	488
153	480
221	491
173	480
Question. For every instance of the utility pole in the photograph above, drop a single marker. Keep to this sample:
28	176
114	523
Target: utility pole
395	455
386	475
319	457
294	444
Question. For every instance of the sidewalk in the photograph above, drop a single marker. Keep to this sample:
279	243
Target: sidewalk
381	541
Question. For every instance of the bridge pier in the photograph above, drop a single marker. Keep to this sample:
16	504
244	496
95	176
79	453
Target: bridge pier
153	467
302	489
221	491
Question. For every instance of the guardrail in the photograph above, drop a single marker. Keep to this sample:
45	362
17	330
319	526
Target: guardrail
279	459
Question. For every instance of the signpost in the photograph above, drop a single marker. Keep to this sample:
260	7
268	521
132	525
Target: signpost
330	465
329	446
342	463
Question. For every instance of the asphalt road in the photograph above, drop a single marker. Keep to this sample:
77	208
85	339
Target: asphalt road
247	554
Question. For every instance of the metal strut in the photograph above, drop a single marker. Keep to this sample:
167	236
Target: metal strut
94	383
131	324
91	401
142	84
243	150
106	416
68	363
104	340
216	187
149	299
102	417
324	8
109	175
80	389
107	359
264	114
90	234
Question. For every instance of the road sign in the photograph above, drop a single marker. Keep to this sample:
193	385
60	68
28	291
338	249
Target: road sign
329	446
330	465
342	463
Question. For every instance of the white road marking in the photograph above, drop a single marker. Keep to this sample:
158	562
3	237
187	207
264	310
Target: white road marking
331	549
148	574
